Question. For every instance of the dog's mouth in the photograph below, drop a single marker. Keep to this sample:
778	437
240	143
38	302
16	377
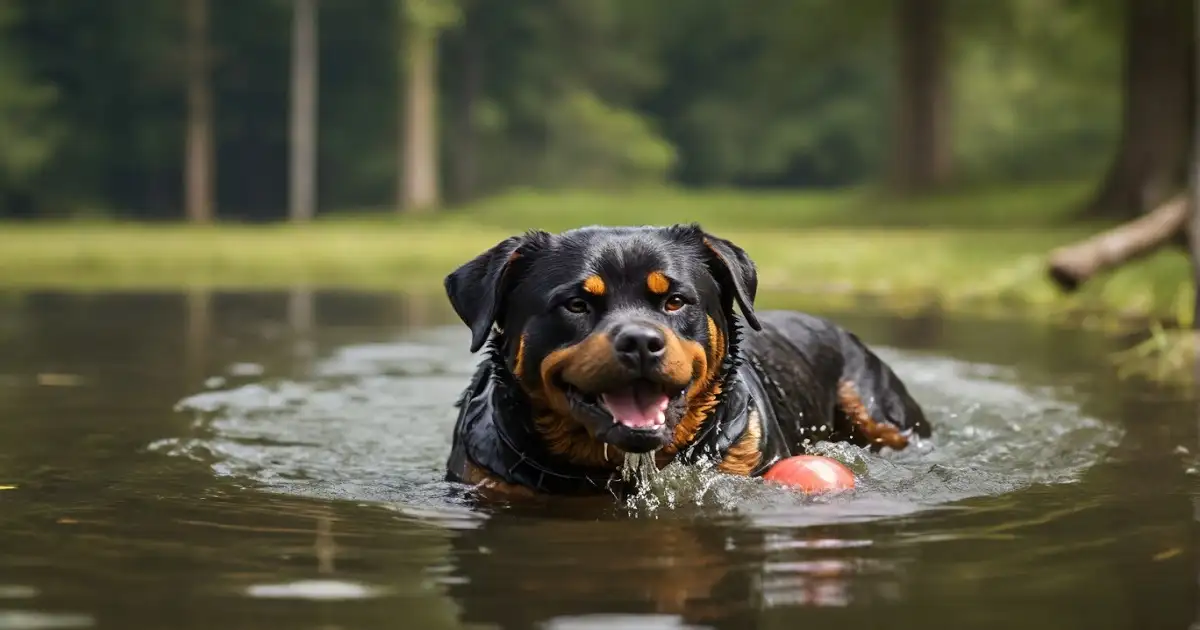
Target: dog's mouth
640	404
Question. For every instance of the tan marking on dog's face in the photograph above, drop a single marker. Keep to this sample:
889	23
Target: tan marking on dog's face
587	365
705	391
595	285
588	361
591	366
683	360
658	283
716	344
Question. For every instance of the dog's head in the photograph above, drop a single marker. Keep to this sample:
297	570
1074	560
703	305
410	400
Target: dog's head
616	334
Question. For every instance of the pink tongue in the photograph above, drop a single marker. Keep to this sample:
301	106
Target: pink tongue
633	410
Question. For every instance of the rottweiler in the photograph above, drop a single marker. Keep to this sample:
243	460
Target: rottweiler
602	341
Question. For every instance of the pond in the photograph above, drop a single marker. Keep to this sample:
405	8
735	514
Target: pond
274	459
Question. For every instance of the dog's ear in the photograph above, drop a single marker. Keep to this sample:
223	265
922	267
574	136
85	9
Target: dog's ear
477	289
734	271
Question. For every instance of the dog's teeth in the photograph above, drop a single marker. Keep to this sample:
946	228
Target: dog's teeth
661	419
606	451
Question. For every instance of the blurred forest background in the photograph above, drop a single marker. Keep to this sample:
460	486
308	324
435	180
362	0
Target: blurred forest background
110	108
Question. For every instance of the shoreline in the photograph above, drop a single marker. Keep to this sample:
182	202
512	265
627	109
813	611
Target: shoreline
954	253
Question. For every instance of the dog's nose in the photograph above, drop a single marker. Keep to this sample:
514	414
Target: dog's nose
639	346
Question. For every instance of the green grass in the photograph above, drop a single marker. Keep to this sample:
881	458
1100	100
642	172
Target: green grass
974	250
1165	357
1045	205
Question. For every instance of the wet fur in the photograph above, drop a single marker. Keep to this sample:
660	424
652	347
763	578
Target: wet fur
820	374
815	380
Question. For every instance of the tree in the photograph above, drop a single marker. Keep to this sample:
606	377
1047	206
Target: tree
420	23
1035	93
544	93
467	93
1175	356
1151	162
29	136
754	93
303	167
199	175
921	150
1150	172
1193	226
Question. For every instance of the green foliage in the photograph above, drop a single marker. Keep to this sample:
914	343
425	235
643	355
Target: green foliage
1034	90
114	67
560	93
560	110
28	135
433	15
591	143
1027	207
775	93
358	117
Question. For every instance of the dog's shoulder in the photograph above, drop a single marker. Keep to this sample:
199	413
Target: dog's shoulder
814	369
796	347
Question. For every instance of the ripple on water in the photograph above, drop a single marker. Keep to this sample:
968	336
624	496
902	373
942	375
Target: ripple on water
373	422
315	590
32	620
647	622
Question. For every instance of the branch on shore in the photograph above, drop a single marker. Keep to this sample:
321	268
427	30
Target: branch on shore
1072	265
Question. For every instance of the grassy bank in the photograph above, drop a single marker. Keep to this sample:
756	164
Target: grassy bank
974	250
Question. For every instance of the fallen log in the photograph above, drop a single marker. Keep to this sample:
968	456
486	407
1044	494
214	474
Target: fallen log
1072	265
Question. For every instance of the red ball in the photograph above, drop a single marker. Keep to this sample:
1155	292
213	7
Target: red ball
811	473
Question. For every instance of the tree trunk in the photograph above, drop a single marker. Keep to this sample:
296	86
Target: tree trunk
1193	233
922	157
303	167
419	160
1151	161
1193	225
199	177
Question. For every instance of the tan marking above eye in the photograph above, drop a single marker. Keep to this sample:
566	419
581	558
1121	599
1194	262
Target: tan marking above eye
594	285
657	282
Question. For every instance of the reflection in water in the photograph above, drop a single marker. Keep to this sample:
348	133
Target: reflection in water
300	311
305	490
324	548
571	568
700	573
325	545
198	331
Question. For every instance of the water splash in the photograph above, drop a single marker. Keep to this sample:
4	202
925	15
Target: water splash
373	422
639	467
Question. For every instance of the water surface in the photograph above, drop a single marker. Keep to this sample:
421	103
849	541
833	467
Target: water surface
274	460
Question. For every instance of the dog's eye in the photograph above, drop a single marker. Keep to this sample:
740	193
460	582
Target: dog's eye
674	303
577	305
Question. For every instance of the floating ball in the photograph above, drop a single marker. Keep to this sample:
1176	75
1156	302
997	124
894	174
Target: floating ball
811	473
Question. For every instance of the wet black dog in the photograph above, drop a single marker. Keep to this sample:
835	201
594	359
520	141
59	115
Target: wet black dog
604	341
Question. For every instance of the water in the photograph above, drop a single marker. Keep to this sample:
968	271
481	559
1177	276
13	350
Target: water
274	460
